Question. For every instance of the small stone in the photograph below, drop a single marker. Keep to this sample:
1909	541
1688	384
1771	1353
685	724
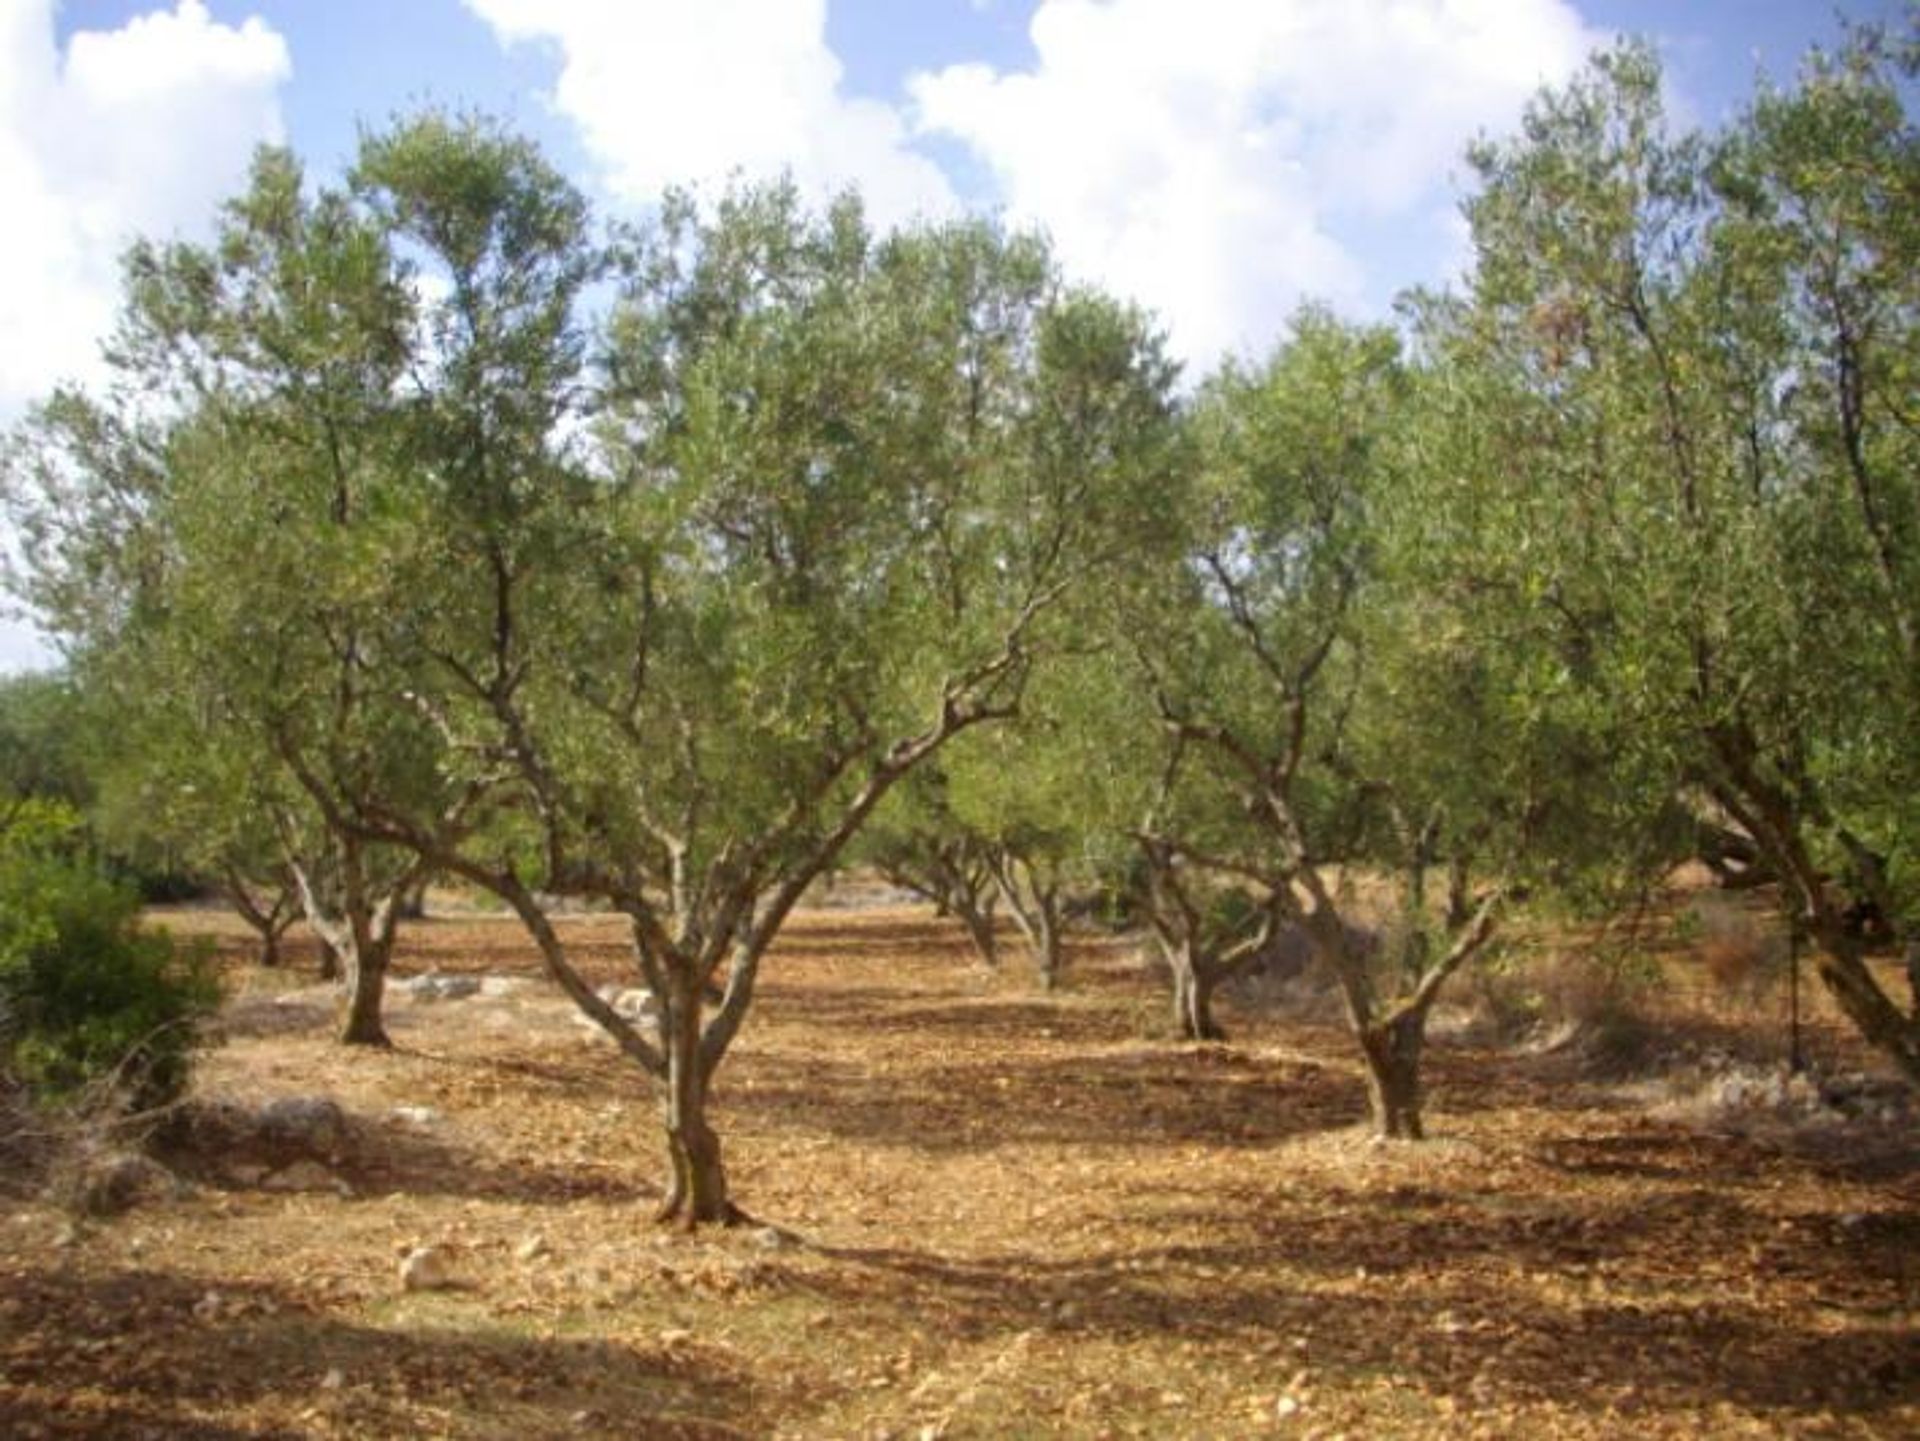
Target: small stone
1286	1407
415	1115
303	1125
772	1238
532	1248
302	1176
676	1336
333	1380
433	987
427	1268
633	1005
495	988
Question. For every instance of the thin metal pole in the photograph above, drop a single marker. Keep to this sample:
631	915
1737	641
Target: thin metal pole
1796	1058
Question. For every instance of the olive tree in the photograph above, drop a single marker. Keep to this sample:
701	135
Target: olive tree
1704	350
201	534
1258	662
917	842
685	628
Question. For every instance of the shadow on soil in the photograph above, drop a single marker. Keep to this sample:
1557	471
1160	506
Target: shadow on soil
1244	1288
1145	1098
174	1354
423	1166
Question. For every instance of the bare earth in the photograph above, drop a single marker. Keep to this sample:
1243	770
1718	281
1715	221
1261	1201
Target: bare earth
980	1213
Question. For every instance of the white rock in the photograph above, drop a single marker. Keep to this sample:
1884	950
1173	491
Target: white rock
415	1115
630	1002
435	987
532	1248
639	1003
427	1268
494	988
1285	1407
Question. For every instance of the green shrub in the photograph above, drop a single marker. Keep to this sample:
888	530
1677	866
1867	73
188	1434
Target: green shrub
86	997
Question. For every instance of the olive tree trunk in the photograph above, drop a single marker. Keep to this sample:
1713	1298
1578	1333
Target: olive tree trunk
267	910
1391	1050
696	1178
366	968
1392	1034
1780	829
1034	901
977	916
358	935
1193	986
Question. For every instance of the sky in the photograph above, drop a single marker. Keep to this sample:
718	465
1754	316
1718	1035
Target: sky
1217	160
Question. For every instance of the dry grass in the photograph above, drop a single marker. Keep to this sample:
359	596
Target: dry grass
999	1215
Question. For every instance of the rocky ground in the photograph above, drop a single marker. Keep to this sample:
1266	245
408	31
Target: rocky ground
978	1213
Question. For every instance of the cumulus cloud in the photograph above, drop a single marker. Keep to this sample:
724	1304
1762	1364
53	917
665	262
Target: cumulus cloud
132	131
1212	158
666	92
128	132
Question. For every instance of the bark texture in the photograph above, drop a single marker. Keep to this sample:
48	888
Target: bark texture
696	1178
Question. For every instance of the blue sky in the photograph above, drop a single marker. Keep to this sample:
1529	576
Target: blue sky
1218	160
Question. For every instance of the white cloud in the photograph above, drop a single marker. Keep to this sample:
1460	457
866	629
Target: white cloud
139	130
1210	157
665	92
135	131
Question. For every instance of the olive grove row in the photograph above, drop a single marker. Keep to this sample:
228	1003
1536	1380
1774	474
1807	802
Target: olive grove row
431	526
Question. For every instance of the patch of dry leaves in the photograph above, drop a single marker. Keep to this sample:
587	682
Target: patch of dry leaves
984	1214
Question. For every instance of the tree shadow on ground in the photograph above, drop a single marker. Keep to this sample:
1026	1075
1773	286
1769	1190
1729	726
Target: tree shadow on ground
1427	1294
150	1352
1136	1098
384	1158
420	1165
916	1011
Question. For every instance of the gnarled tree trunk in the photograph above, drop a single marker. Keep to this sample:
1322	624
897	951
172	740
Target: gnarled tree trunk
1842	968
1035	904
697	1180
358	936
977	917
268	911
1193	985
1393	1036
362	1024
1391	1049
1768	812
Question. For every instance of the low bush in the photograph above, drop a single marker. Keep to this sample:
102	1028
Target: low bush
91	1002
1590	1000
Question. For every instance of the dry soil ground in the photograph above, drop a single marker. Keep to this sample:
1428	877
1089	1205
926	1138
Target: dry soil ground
997	1215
